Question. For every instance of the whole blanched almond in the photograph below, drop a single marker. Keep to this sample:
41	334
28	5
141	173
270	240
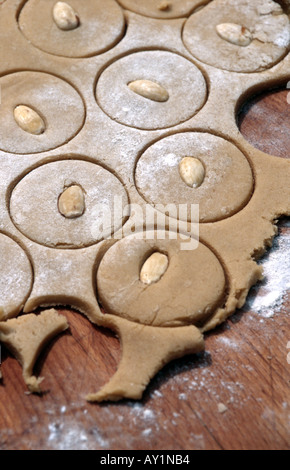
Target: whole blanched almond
71	203
192	171
65	17
235	34
154	268
29	120
164	6
150	90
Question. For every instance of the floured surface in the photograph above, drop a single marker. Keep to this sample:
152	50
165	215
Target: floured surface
45	94
265	21
31	214
234	234
37	24
219	196
183	82
268	298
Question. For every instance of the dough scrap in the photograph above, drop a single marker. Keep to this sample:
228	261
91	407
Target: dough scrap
138	365
27	335
109	141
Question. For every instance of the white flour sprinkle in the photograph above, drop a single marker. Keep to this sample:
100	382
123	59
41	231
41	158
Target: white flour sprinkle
267	297
147	432
148	414
227	342
71	435
182	396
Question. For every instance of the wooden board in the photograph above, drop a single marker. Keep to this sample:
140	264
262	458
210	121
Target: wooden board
244	368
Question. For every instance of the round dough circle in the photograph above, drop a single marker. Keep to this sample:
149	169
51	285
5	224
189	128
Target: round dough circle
15	277
35	211
270	32
101	27
228	182
53	99
181	79
191	289
176	8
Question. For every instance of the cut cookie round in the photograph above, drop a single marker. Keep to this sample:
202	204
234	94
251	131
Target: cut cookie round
224	187
239	36
163	9
97	28
68	204
151	90
189	287
34	110
15	277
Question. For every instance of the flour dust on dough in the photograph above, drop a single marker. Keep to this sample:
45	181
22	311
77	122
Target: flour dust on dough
105	118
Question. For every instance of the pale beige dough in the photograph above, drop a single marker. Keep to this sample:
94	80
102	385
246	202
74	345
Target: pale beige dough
226	188
186	95
52	98
190	290
39	217
101	27
270	29
157	9
119	143
143	358
16	277
27	335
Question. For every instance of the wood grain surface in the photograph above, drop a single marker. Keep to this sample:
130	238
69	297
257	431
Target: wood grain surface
244	368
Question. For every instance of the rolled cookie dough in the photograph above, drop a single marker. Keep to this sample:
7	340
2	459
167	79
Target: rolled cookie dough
52	98
118	142
16	277
264	19
220	195
40	218
100	27
190	290
164	9
186	96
